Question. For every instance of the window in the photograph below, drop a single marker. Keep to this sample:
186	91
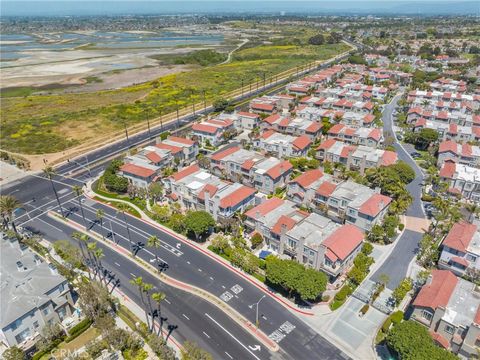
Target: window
449	329
292	243
427	315
17	324
21	337
35	324
471	258
46	311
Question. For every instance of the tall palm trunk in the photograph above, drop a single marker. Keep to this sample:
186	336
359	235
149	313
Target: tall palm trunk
56	197
83	214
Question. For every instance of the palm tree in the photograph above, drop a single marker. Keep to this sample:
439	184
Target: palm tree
138	282
154	241
122	208
8	204
98	254
100	215
158	297
473	209
83	240
49	172
78	191
146	290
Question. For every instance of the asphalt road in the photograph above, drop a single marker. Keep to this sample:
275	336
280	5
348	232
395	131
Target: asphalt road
185	263
295	338
396	265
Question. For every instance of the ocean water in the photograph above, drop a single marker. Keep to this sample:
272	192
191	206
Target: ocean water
358	7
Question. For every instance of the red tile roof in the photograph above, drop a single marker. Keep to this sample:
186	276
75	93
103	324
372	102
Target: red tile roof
237	196
205	128
224	153
477	316
153	157
308	177
283	221
279	169
173	149
448	145
389	158
460	236
248	164
326	188
448	169
222	123
368	118
440	340
346	150
137	170
248	114
265	207
267	134
210	189
314	127
460	260
438	291
284	122
375	204
301	142
272	118
185	172
336	129
327	144
344	241
181	140
262	106
375	134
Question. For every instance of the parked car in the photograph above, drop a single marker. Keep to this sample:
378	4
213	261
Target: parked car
415	155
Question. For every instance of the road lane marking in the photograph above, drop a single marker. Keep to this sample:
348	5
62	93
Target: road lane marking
232	336
204	333
188	262
185	316
230	356
211	278
116	263
53	226
200	270
167	301
133	275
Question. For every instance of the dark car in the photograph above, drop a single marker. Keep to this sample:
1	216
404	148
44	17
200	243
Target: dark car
415	155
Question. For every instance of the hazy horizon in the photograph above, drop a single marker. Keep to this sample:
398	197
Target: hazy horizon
155	7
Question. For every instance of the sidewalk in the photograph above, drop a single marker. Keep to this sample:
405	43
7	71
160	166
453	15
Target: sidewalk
202	248
227	309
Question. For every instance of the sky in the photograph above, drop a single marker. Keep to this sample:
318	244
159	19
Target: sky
340	7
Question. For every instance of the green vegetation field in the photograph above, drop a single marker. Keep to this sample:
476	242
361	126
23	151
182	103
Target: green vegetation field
39	124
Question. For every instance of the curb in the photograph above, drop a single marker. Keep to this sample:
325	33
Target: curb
232	313
220	261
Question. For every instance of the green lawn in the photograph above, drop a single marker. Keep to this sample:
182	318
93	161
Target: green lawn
64	348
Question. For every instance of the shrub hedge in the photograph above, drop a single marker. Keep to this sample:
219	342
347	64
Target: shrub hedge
78	329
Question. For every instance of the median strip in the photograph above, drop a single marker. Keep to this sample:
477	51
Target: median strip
232	313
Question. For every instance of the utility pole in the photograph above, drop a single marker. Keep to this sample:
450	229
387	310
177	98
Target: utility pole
264	80
178	119
204	102
126	134
242	87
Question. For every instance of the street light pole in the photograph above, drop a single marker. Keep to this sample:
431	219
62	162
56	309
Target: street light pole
204	101
126	134
257	323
